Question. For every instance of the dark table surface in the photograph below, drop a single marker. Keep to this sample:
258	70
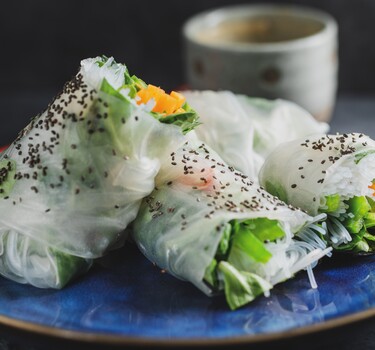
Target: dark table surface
353	113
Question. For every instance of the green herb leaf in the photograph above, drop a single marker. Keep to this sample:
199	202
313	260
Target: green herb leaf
7	180
68	265
110	90
276	190
187	121
360	156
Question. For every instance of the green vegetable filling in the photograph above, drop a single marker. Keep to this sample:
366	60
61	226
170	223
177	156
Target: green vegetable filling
68	266
359	220
332	203
241	248
360	156
7	176
186	120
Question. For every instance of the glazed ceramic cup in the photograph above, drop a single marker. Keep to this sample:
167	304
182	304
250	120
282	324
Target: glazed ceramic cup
268	51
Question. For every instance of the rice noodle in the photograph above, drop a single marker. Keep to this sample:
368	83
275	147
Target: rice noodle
338	232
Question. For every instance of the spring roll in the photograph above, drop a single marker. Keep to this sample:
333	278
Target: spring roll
330	174
75	176
208	224
244	130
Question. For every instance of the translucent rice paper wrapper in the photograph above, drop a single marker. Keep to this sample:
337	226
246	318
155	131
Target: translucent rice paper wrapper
302	172
81	169
181	223
244	130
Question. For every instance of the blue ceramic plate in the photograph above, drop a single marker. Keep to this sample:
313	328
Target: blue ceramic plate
126	299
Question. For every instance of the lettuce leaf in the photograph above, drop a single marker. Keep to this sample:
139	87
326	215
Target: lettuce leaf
241	287
246	241
242	245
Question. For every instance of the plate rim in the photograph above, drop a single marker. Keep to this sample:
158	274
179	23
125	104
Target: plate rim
117	339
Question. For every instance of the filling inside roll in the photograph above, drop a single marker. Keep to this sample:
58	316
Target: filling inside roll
331	174
255	254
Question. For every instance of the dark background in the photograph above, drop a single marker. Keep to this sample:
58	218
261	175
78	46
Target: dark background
42	42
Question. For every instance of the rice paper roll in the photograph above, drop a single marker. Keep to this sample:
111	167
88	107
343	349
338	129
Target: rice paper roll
209	224
244	130
75	176
330	174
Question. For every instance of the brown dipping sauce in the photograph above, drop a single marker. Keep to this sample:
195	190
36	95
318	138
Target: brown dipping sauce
260	29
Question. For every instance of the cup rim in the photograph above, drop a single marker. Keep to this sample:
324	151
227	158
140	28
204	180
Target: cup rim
202	20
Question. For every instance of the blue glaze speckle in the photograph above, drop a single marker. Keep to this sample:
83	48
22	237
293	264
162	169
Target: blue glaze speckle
127	295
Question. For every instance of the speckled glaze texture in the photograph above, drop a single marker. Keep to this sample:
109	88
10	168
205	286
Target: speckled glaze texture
126	295
303	70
